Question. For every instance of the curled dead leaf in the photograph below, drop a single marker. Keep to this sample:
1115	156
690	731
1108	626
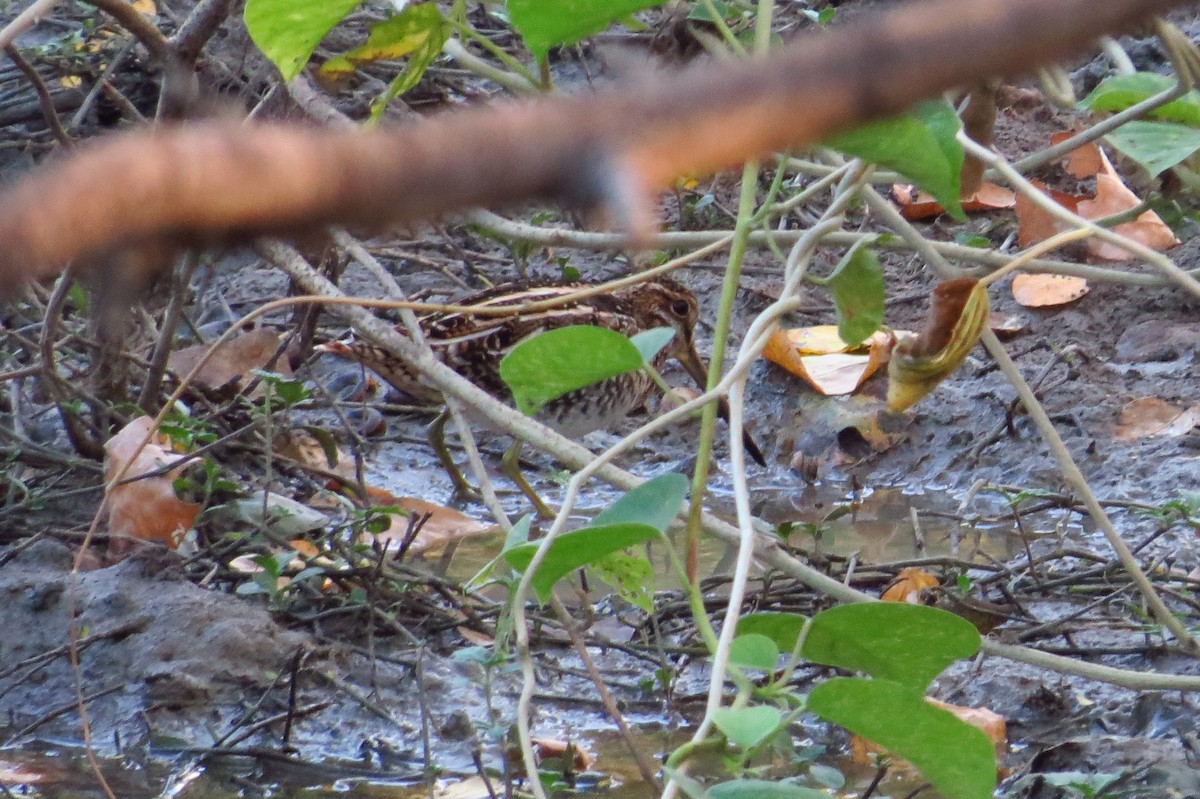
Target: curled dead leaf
1006	327
958	313
547	748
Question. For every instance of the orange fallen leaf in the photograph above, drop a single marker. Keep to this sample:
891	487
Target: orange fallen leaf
818	356
916	205
1040	291
1112	197
233	362
1151	416
443	525
1034	223
146	509
546	748
1082	162
908	584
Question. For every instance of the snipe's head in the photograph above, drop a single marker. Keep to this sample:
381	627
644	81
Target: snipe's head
665	303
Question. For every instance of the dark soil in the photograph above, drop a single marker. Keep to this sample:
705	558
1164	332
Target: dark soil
171	662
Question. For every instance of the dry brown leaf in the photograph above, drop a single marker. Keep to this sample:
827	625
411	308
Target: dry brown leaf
907	586
1006	327
1151	416
475	637
233	362
818	356
546	748
443	526
144	510
1112	197
916	205
1034	223
1082	162
302	446
1041	291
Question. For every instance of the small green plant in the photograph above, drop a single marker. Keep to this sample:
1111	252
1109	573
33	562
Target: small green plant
899	648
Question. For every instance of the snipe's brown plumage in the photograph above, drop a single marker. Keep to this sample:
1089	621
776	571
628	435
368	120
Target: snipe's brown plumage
474	344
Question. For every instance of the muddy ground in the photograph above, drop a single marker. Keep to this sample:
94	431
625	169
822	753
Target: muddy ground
176	668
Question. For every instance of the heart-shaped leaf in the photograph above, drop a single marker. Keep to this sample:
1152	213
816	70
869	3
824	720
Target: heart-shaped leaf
909	644
557	362
957	758
574	550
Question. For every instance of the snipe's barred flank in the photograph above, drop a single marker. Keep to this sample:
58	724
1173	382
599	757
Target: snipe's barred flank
474	344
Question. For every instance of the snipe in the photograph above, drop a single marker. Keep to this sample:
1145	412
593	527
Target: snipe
474	344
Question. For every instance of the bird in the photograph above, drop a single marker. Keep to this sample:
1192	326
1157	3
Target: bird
473	344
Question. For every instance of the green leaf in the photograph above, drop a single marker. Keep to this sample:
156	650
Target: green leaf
655	502
287	31
392	38
970	239
327	442
747	726
576	549
632	576
910	644
782	628
919	145
762	789
557	362
649	342
519	534
700	12
754	651
548	23
1122	91
1156	146
957	758
858	293
421	32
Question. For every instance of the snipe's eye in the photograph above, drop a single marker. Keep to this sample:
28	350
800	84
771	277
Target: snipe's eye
679	308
